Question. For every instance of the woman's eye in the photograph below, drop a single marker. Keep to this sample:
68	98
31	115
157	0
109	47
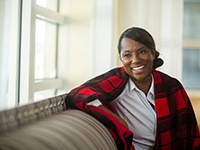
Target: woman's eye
126	55
142	51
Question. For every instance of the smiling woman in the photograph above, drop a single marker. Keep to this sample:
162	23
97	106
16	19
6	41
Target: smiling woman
138	62
142	108
138	55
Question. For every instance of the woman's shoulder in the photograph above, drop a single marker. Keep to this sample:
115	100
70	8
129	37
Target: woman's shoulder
166	79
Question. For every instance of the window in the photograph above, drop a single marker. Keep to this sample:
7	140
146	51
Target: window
42	20
29	66
191	45
9	33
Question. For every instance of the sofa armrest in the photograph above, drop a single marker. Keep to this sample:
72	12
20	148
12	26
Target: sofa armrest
71	130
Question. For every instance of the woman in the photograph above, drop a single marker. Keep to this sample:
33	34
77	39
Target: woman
142	108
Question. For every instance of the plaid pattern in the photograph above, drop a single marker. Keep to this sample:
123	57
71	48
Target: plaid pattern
176	123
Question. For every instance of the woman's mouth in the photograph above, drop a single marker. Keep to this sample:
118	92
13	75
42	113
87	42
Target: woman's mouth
138	69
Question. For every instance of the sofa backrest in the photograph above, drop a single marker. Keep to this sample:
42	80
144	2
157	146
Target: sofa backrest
23	115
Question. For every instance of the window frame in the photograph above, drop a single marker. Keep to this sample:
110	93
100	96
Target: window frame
28	85
11	98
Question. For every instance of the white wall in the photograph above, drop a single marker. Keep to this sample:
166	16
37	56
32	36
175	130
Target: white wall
74	61
91	46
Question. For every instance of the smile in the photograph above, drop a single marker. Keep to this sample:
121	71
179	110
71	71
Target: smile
138	68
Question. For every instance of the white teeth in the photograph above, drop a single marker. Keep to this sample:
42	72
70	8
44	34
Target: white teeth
138	68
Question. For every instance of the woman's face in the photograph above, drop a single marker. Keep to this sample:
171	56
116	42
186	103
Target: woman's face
137	60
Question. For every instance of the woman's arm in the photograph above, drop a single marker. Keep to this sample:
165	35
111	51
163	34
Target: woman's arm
97	103
114	115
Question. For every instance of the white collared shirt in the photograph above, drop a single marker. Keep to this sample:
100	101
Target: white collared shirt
132	105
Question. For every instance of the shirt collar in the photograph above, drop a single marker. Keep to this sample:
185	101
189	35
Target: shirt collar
132	86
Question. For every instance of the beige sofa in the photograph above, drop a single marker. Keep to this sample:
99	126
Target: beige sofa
50	125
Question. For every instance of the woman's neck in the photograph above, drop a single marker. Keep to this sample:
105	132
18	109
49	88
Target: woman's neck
144	86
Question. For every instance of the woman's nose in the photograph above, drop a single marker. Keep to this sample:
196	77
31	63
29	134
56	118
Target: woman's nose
135	59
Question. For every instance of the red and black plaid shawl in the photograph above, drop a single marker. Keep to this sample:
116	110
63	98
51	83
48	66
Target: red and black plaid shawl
176	123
